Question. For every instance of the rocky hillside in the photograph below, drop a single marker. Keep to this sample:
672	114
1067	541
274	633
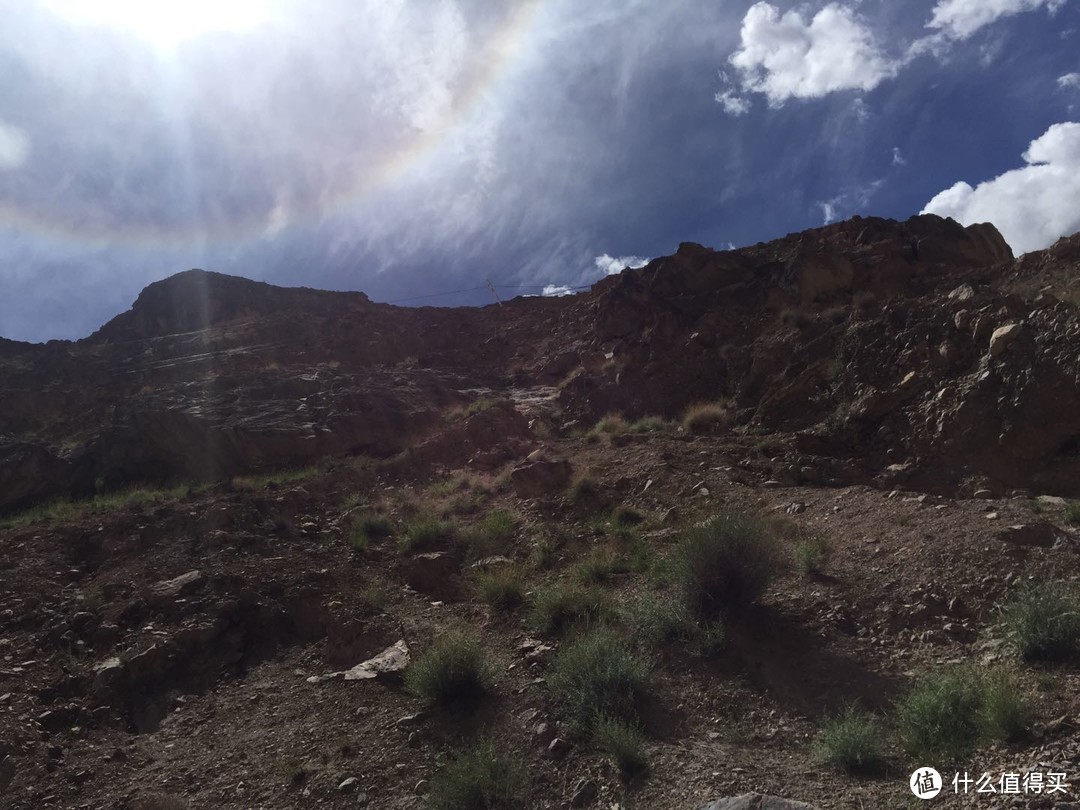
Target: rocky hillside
239	523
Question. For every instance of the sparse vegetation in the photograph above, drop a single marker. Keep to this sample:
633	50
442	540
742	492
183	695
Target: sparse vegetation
452	669
597	676
251	483
476	406
725	564
705	417
624	742
946	714
1072	513
480	778
1043	621
425	532
650	424
491	535
68	510
557	608
811	553
612	425
584	487
502	588
368	528
851	741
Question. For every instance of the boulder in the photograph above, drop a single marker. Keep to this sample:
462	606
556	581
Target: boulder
1002	338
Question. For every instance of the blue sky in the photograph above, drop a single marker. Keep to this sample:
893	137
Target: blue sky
412	148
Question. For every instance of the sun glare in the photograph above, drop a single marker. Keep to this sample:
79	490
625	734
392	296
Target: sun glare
165	23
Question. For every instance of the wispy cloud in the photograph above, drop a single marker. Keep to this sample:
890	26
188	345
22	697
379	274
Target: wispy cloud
960	19
848	202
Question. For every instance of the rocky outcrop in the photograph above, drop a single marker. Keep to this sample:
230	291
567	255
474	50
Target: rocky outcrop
880	343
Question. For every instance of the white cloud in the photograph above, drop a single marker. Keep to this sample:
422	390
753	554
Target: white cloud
1031	206
14	147
556	290
960	19
898	157
734	105
786	56
609	265
1069	80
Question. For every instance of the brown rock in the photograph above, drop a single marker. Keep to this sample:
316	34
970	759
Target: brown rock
1003	337
387	665
1041	535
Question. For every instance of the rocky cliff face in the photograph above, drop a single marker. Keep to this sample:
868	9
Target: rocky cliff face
870	350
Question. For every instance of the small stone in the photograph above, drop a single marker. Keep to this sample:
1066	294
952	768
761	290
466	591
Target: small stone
348	785
421	787
412	719
991	515
983	494
771	484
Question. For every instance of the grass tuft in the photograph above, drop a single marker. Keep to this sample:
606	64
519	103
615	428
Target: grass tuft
811	553
426	532
624	742
480	778
851	742
705	417
1044	622
597	676
502	588
558	608
1072	513
451	670
725	564
947	714
368	528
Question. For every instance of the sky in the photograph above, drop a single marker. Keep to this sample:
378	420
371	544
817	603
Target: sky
418	149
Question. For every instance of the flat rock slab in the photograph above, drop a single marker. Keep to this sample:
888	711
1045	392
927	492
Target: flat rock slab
756	801
391	662
171	588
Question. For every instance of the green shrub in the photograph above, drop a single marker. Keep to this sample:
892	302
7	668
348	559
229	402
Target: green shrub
811	552
452	669
660	620
480	778
938	720
1044	622
851	742
613	424
492	535
1005	712
650	424
705	417
501	588
1072	513
558	608
725	564
624	742
946	714
426	532
367	528
597	676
